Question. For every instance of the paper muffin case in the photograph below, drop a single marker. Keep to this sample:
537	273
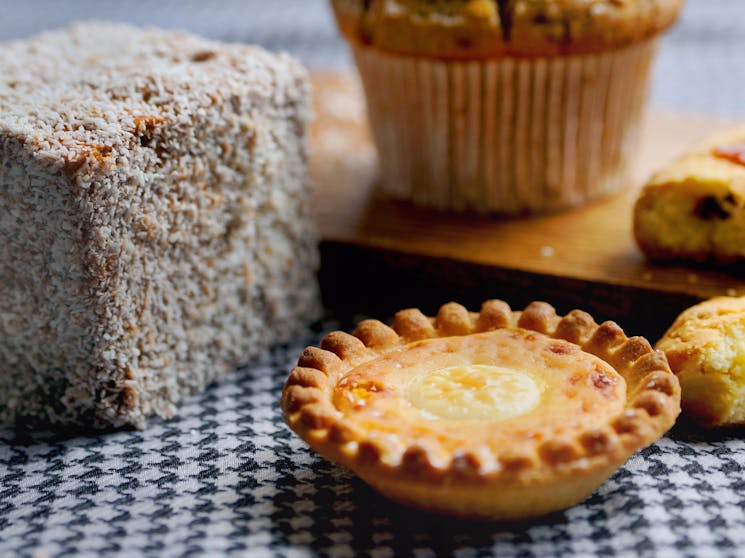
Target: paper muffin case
508	135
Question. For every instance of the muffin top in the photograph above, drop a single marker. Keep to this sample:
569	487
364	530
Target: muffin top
474	29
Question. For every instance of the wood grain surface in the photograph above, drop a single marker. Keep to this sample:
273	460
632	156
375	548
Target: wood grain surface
380	254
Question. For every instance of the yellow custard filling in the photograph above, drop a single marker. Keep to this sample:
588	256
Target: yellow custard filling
508	385
475	392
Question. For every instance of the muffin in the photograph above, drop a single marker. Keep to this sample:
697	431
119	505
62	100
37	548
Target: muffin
497	414
504	107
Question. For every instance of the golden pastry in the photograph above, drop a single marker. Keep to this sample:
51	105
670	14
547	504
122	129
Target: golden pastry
706	349
694	209
496	414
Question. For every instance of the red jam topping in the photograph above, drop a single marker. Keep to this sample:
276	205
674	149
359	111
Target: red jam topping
734	153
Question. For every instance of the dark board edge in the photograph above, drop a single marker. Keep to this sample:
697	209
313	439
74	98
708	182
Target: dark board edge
362	280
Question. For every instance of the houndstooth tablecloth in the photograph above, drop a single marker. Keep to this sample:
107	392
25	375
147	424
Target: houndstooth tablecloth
226	477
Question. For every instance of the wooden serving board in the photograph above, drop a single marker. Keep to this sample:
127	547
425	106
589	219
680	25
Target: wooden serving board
379	255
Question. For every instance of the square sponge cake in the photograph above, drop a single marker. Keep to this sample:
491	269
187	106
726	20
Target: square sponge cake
155	216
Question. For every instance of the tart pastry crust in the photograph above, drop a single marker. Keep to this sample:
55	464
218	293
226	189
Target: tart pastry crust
496	414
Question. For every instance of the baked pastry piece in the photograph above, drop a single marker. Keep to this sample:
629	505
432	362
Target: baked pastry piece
694	209
706	349
155	219
496	414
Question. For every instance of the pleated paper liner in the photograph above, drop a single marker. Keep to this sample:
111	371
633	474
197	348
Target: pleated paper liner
508	135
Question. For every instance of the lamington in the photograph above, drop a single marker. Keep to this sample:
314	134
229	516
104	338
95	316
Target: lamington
155	215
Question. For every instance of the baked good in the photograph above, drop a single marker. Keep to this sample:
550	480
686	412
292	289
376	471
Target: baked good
693	209
504	106
155	216
496	414
706	349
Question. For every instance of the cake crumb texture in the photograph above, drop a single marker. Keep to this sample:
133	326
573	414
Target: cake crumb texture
156	220
706	350
693	209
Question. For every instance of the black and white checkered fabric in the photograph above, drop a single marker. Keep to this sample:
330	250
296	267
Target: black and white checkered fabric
227	478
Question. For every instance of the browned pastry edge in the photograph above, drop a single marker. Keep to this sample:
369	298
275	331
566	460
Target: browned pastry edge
653	397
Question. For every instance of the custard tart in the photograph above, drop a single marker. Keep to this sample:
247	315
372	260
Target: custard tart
496	415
